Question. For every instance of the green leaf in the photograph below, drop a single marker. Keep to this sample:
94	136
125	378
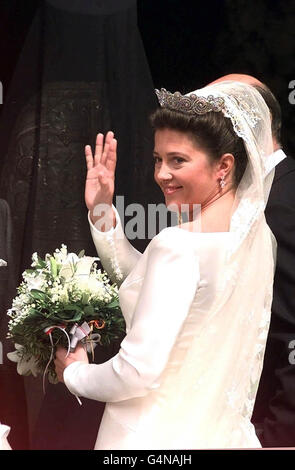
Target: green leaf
33	314
70	312
41	263
69	315
89	310
30	271
85	298
37	294
113	304
72	307
53	267
81	254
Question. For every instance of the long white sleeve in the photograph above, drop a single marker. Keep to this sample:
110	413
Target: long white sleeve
168	289
116	253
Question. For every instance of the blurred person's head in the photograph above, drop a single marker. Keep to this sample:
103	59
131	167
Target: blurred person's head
269	98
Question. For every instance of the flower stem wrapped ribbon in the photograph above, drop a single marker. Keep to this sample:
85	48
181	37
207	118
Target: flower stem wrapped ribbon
63	299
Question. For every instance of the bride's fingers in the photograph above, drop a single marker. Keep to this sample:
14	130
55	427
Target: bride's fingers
111	160
109	137
89	157
105	153
98	148
108	140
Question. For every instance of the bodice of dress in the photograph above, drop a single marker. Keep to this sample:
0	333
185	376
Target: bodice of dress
175	275
167	296
208	250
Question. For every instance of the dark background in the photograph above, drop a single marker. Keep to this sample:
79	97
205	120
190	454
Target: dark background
186	45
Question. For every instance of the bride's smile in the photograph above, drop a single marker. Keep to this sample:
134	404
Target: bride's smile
186	173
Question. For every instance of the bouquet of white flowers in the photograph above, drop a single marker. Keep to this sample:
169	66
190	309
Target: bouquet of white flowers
64	298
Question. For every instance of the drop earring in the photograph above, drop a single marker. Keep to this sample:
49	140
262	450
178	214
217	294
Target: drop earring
222	182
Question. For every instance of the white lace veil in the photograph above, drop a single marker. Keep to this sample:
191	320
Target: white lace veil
207	392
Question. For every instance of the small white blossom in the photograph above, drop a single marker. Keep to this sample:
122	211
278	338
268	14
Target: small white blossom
34	259
34	282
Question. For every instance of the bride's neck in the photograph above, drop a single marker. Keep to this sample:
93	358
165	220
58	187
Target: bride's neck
216	216
213	217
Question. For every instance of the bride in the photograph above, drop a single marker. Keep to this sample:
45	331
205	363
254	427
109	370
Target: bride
197	301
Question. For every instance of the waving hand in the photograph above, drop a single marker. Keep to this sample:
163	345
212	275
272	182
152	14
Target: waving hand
100	180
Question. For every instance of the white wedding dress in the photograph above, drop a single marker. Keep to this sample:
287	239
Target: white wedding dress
197	309
165	297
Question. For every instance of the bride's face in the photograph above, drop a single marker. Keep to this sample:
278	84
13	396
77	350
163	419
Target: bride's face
184	173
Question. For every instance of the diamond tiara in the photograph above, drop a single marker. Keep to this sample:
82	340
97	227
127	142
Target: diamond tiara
190	104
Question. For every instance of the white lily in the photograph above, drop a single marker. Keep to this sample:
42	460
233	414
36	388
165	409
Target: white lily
91	285
84	265
34	282
76	266
25	366
67	270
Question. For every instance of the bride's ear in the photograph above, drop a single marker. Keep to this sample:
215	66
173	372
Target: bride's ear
225	165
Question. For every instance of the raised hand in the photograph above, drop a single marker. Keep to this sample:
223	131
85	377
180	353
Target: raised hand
100	179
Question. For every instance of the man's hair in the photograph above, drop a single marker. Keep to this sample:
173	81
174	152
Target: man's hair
274	108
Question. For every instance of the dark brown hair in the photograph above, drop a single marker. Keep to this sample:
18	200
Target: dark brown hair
211	132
